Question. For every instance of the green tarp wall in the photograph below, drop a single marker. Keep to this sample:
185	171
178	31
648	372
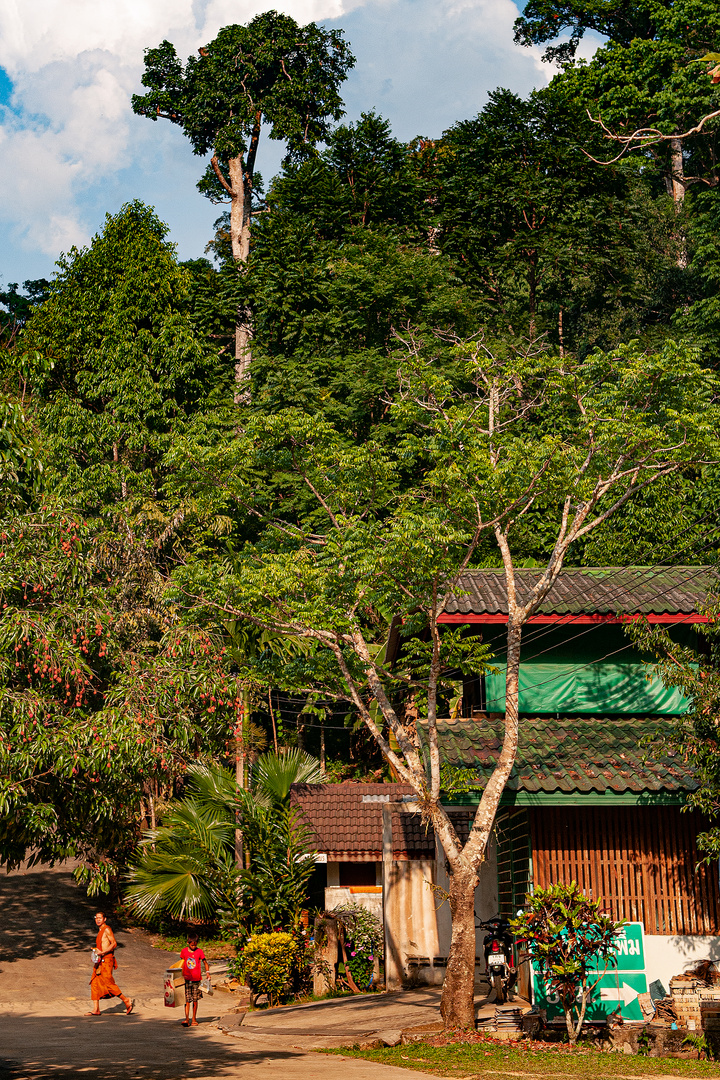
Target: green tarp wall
597	672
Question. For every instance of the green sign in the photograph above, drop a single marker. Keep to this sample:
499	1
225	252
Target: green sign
630	948
618	987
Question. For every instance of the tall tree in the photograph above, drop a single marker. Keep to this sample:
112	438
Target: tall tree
550	244
522	446
123	366
646	79
271	72
104	699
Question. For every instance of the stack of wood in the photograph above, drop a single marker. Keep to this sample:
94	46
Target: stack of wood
665	1011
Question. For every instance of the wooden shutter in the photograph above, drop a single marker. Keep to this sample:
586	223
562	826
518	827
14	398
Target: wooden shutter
640	860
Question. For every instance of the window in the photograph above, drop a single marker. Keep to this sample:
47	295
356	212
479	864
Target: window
357	873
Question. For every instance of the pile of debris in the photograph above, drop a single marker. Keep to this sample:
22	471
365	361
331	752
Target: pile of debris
695	998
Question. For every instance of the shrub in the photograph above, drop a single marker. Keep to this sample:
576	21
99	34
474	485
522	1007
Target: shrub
363	936
571	942
266	964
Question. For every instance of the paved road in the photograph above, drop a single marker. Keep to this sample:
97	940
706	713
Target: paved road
46	935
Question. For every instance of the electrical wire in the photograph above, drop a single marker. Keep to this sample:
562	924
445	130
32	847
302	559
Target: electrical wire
541	633
544	630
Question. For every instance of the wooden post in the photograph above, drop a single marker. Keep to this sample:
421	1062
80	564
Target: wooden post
324	973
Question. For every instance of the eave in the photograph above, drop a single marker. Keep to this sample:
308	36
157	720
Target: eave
577	620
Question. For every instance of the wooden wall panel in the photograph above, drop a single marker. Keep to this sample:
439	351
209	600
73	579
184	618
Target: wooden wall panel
640	860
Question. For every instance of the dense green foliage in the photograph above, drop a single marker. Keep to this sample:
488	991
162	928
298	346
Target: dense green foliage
127	364
271	70
443	332
188	868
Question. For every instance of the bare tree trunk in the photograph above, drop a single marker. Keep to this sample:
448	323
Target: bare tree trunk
239	776
458	989
678	193
457	1005
240	211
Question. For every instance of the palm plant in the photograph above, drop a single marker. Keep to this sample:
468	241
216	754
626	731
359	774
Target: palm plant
186	868
273	774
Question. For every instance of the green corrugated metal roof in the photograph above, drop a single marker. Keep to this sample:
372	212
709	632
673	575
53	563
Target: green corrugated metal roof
579	755
609	590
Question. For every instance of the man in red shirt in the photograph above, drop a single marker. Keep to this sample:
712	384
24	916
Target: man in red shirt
192	959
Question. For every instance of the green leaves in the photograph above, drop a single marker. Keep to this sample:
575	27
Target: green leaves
126	364
568	936
187	868
271	70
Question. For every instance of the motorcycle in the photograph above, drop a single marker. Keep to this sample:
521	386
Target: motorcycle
498	951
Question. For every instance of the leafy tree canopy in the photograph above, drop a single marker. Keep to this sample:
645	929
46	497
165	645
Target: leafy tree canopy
692	23
101	692
127	363
271	70
549	242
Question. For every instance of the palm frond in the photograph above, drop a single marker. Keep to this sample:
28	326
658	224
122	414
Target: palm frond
273	774
174	882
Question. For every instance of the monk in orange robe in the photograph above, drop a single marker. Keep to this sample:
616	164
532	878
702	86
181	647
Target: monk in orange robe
102	983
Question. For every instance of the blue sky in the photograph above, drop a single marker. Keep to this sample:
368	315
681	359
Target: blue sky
71	150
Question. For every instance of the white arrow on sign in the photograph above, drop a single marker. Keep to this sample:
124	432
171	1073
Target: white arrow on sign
626	994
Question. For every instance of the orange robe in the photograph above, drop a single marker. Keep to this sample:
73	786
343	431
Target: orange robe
102	983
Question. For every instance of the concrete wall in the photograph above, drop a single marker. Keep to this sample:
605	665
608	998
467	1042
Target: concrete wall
486	900
417	921
410	923
669	956
339	895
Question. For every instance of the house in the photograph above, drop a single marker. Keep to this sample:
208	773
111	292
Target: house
592	797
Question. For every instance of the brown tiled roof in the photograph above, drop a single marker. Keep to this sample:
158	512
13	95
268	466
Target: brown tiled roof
346	822
413	840
607	590
346	819
583	754
410	838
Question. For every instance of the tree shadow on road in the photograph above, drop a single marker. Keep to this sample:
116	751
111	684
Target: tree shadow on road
43	913
122	1048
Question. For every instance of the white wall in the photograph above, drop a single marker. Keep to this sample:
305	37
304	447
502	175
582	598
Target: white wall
339	895
669	956
486	899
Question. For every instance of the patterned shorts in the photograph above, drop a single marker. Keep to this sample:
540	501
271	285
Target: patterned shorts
192	990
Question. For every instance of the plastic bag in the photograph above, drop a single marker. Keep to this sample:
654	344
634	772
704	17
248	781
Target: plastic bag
95	956
207	986
170	992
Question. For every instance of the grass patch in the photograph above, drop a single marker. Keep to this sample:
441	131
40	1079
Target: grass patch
479	1056
215	948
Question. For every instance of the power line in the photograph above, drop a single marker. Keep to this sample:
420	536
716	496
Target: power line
543	631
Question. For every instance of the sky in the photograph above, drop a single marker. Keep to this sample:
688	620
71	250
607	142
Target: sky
71	150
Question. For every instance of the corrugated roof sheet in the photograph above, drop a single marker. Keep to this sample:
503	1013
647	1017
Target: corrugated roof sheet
631	590
571	755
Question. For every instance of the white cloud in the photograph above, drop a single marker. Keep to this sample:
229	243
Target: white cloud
74	65
71	148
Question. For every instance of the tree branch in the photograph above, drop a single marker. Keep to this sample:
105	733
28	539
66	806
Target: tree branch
216	168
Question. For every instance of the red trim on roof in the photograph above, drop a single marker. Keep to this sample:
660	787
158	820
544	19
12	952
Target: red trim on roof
578	620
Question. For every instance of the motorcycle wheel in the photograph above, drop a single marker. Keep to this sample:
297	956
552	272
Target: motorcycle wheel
499	989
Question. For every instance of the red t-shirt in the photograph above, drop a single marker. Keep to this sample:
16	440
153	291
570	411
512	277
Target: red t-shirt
192	968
